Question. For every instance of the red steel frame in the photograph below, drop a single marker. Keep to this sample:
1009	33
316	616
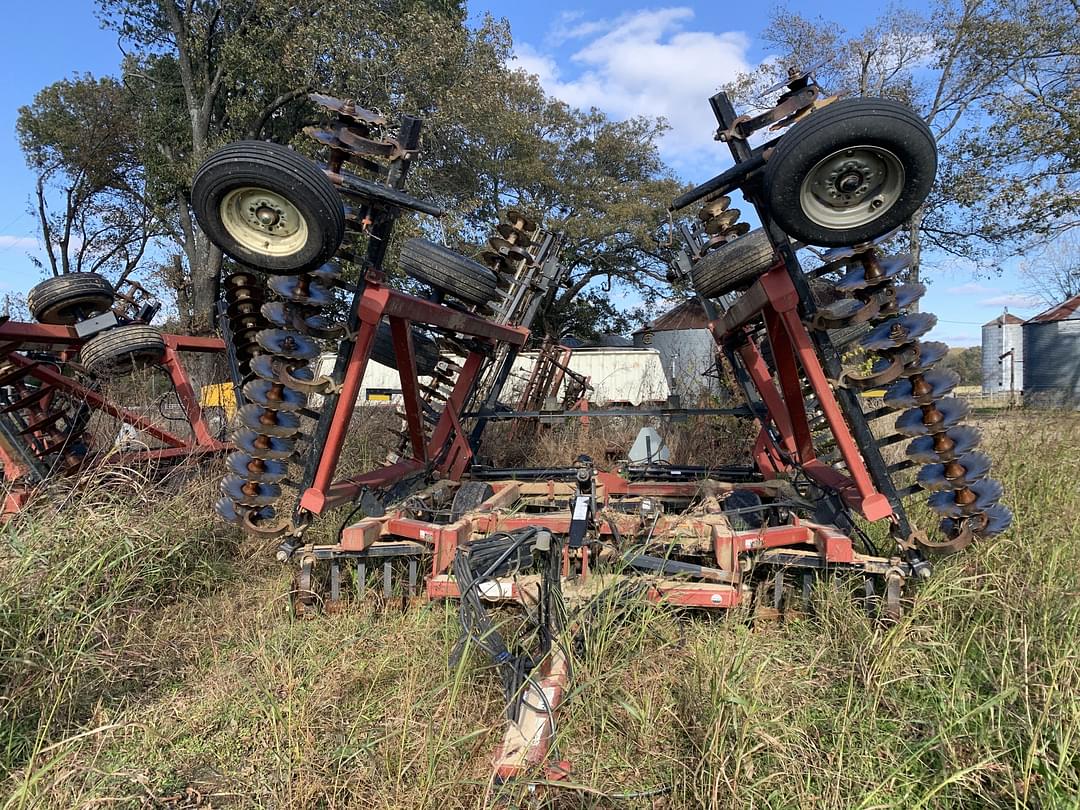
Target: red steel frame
63	339
773	299
447	450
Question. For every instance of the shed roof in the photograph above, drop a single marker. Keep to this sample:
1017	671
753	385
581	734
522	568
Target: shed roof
1004	319
687	315
1066	310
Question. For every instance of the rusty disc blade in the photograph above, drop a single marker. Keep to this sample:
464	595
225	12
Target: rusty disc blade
722	222
274	395
268	422
992	522
923	389
288	344
986	492
930	354
346	108
519	220
508	249
855	278
301	290
265	471
249	493
264	447
937	418
328	274
714	208
954	442
512	233
844	312
908	294
899	331
962	472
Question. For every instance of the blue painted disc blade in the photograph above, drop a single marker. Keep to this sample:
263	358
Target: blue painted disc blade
269	422
898	331
987	493
249	493
274	396
939	382
935	478
997	519
256	469
955	442
950	412
264	447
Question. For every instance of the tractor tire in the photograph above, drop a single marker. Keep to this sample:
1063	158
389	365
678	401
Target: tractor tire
122	350
427	353
850	172
733	265
268	207
70	298
448	271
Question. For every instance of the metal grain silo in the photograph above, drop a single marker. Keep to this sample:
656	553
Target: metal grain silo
1052	347
1003	355
686	348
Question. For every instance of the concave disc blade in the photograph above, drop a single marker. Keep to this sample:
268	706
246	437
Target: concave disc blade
950	412
266	366
934	385
277	314
230	511
323	327
268	422
274	395
714	208
508	231
257	469
266	447
898	331
908	294
971	468
285	343
519	220
842	313
508	249
992	522
249	493
855	278
327	275
954	442
930	354
987	493
301	290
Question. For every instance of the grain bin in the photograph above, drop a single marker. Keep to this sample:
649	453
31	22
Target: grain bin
1052	350
1001	336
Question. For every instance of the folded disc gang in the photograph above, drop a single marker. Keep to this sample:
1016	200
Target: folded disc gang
257	469
249	493
268	422
934	418
264	447
274	395
899	331
956	474
971	501
945	446
922	389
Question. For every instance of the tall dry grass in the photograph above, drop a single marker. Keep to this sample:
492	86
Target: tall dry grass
151	663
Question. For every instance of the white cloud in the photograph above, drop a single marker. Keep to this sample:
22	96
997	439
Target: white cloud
24	242
645	63
1019	300
971	288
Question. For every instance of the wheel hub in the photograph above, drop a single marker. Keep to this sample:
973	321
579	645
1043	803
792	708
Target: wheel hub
263	221
852	187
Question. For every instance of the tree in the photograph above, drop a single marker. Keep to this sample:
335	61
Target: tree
992	78
965	362
90	198
1053	273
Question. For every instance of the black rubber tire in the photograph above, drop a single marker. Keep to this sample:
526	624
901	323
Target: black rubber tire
733	265
469	496
427	353
448	271
122	350
851	122
70	298
278	169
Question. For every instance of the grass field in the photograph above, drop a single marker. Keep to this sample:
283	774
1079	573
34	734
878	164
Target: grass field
147	659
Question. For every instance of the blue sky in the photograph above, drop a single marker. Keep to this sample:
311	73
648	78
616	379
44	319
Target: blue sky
625	58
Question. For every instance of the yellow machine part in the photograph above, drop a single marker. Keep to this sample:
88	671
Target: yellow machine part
219	395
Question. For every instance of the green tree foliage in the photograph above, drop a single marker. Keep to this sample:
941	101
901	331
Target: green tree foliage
206	72
965	362
90	197
996	82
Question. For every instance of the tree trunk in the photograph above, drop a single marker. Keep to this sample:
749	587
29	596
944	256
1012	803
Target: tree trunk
915	247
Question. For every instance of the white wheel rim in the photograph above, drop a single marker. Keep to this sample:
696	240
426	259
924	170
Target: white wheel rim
852	187
263	221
